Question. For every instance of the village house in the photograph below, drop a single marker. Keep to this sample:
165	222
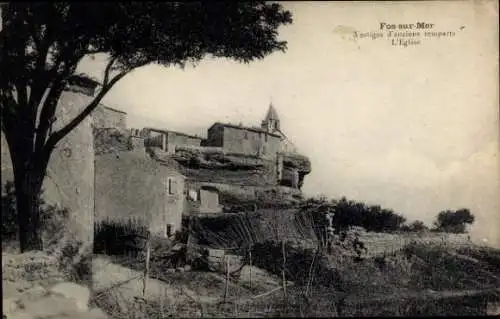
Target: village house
130	186
265	141
205	200
168	140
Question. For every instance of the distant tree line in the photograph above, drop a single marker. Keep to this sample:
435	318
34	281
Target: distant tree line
349	213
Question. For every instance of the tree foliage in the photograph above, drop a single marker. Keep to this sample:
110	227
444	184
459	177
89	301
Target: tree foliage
42	43
350	213
416	226
454	221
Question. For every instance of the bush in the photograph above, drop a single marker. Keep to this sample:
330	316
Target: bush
119	238
9	215
268	256
350	213
74	260
416	226
53	219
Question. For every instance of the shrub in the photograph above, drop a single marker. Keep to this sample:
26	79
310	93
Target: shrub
74	259
350	213
268	256
119	237
53	219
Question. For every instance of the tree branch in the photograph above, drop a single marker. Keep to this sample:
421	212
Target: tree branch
107	71
49	106
40	83
61	133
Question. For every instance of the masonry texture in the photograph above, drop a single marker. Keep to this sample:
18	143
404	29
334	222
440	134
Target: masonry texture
243	140
106	117
70	173
130	185
235	154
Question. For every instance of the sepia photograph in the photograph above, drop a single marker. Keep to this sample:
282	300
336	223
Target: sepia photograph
250	159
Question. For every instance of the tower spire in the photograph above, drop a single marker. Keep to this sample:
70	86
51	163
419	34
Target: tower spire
271	122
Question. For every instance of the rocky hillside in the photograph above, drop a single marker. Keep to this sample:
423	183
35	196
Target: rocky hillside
241	180
296	163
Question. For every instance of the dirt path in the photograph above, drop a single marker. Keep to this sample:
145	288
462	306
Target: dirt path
108	275
201	287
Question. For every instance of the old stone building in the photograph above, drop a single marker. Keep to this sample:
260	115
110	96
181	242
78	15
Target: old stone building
243	140
105	117
69	180
261	142
265	141
204	200
193	174
129	185
168	140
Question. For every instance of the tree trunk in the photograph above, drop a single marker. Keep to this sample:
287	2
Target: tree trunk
28	184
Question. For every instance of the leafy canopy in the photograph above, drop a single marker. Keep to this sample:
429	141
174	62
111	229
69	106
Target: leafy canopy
42	43
454	221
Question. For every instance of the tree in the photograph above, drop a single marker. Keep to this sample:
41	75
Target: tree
416	226
42	44
454	221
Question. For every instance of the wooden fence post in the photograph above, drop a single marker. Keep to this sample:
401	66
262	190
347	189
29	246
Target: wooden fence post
226	289
250	268
283	269
146	268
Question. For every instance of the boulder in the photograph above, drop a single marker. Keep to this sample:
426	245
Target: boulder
79	294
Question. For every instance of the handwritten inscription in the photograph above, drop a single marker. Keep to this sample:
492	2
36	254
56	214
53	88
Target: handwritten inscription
406	34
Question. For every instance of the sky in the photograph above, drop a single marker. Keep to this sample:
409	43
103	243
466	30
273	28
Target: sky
414	129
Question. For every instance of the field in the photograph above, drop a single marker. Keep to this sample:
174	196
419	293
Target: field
418	280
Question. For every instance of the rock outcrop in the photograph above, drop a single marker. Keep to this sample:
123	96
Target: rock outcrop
295	168
33	287
240	180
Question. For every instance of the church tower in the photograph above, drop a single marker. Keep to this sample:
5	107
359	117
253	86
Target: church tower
271	123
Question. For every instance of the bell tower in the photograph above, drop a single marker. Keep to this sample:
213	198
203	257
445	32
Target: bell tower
271	123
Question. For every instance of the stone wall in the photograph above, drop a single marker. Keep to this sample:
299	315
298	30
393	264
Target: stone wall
249	142
70	176
69	182
136	142
378	243
209	199
175	139
129	185
106	117
215	136
154	139
170	140
234	195
243	140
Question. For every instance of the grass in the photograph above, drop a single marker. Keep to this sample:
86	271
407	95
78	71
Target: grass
419	280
